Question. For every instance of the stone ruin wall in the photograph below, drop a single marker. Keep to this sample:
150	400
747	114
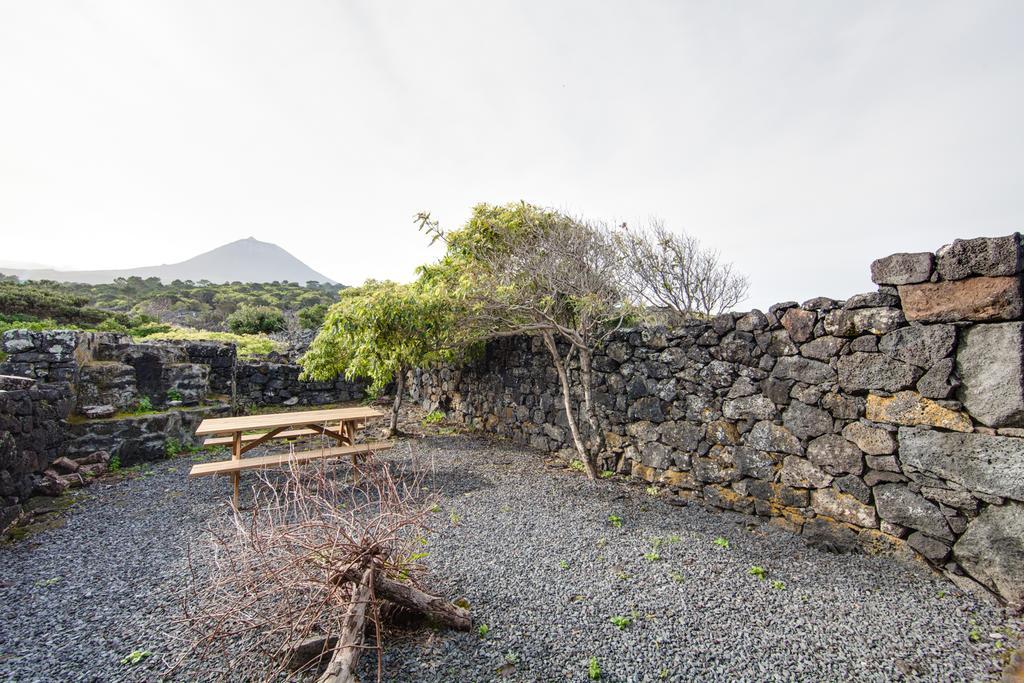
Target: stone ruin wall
69	394
893	419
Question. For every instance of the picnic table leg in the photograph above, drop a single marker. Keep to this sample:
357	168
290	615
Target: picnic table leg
349	430
236	454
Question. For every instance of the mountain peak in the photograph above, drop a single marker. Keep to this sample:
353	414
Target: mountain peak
244	260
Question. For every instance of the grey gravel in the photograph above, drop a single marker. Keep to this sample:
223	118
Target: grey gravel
533	551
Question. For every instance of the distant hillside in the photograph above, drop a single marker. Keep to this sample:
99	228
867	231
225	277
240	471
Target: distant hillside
247	260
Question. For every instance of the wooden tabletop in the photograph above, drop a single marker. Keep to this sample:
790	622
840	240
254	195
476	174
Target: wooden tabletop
230	425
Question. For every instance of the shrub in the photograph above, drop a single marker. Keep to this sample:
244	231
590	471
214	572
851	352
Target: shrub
312	317
256	320
248	344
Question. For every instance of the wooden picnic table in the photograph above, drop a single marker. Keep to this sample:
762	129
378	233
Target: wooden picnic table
249	431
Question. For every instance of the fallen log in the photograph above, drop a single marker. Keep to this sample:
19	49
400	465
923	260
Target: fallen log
342	667
309	652
435	608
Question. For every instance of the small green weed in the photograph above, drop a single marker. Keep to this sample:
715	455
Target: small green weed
607	474
602	542
562	564
622	576
677	577
433	417
615	520
778	585
143	405
173	395
593	669
722	542
43	583
115	463
576	466
483	630
652	556
455	518
135	657
760	572
511	657
663	674
621	622
652	490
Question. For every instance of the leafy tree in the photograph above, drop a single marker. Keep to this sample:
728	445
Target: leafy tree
523	269
381	331
256	320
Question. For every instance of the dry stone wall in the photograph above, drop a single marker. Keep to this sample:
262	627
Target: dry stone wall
894	418
32	431
68	395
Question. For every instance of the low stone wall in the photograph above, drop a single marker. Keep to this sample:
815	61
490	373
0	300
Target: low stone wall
894	417
32	434
100	380
265	383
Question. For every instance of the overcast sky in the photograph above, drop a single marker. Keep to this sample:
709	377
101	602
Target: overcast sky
802	139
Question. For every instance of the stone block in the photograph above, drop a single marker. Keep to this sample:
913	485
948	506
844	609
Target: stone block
933	550
911	409
843	507
939	381
806	421
871	440
803	474
902	269
988	256
858	321
803	370
991	550
992	465
823	348
754	463
920	345
979	299
835	455
898	504
830	536
863	371
990	362
799	323
755	407
765	436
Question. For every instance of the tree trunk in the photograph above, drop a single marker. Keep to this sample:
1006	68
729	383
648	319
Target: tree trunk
587	380
563	377
397	405
342	668
437	609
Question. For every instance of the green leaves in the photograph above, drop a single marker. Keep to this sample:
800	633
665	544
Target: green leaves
381	329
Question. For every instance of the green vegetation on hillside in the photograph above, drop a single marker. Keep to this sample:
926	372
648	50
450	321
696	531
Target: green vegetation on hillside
128	304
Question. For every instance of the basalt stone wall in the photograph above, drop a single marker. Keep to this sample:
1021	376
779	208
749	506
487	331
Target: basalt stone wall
894	418
32	431
73	393
267	383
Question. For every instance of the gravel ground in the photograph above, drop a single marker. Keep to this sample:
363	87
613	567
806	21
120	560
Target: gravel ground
534	552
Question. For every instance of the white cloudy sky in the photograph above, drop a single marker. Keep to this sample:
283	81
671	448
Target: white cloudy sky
802	139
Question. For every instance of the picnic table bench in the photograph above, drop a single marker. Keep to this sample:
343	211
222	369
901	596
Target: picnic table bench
249	431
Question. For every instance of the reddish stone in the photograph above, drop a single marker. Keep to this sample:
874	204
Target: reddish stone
977	299
800	324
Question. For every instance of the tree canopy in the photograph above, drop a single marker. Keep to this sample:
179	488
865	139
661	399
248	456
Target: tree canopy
382	330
